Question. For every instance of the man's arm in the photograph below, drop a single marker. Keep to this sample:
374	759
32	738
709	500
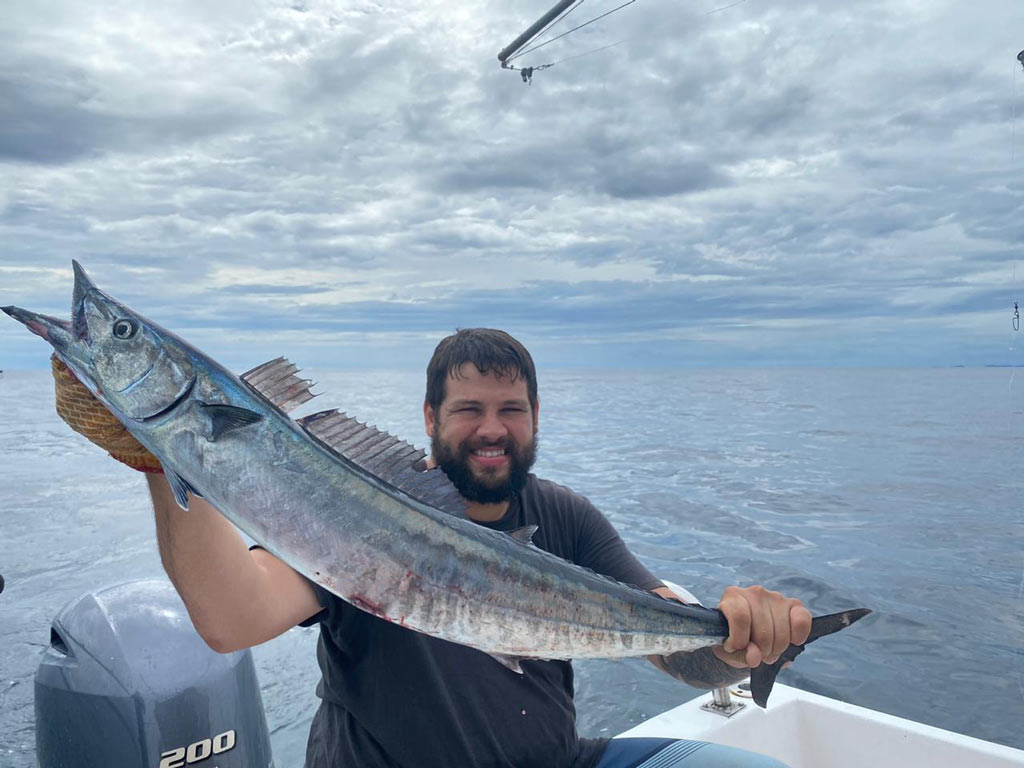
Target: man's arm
700	669
758	619
236	598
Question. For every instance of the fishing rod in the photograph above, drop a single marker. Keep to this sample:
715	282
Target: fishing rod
570	31
532	31
558	12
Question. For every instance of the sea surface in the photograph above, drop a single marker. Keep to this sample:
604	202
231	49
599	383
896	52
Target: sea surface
898	490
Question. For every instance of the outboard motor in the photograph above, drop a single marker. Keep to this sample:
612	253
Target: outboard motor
128	682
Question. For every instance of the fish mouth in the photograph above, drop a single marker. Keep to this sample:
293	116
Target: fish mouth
53	329
62	334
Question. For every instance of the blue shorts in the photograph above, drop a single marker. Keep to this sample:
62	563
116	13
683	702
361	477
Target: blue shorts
668	753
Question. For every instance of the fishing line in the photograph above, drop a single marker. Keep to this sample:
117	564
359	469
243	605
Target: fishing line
1015	414
547	30
527	72
581	26
613	10
726	7
1014	333
1014	421
1013	120
587	53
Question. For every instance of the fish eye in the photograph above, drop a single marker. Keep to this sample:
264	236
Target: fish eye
124	329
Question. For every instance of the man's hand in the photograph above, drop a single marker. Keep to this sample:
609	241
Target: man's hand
762	624
88	416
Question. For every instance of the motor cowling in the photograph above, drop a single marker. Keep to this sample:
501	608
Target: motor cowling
127	681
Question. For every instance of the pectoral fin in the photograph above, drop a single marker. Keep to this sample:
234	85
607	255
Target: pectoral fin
224	418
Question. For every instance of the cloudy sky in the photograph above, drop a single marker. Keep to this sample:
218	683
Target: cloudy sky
778	182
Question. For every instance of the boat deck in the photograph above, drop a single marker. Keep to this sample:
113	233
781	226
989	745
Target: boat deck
806	730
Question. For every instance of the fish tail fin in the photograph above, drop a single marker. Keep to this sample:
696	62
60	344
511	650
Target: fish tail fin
762	677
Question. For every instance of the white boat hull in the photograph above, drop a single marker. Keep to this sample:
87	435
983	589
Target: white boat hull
805	730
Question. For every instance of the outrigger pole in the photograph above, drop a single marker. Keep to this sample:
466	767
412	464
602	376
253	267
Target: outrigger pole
534	28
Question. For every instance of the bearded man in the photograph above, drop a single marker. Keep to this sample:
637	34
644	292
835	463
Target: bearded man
394	697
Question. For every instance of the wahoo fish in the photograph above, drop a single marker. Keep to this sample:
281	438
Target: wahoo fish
353	509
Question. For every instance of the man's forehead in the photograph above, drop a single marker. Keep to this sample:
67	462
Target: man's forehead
467	377
469	371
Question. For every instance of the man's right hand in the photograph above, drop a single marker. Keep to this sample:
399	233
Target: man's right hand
77	406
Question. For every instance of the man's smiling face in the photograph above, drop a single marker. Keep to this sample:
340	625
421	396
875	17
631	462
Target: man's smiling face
483	434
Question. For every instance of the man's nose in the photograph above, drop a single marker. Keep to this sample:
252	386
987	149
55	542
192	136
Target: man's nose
492	427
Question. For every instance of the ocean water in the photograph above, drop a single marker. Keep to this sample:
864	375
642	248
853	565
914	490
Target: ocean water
898	490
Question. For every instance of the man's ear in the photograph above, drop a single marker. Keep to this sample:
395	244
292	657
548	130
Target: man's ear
428	418
536	416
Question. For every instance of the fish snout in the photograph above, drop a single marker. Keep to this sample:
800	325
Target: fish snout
40	325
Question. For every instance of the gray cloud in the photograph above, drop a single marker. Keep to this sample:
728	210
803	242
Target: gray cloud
785	182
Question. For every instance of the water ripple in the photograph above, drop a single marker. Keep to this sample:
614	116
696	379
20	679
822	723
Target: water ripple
889	489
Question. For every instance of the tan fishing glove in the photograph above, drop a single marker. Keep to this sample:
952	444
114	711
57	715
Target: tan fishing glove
88	416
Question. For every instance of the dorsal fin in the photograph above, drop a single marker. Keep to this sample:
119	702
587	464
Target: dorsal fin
385	456
276	381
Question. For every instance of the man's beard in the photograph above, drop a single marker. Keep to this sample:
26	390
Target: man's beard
486	488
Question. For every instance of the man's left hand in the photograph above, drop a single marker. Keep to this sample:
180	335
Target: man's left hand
762	624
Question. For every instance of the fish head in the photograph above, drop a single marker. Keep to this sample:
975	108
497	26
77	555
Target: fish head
133	366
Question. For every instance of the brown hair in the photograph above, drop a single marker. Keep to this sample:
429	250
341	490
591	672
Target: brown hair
489	350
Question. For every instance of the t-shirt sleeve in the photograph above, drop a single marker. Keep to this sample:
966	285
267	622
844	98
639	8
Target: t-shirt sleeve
601	549
327	604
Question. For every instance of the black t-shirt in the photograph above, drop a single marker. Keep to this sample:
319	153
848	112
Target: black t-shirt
393	697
